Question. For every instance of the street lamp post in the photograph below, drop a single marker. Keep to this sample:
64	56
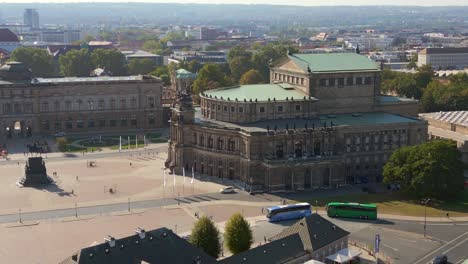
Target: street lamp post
425	201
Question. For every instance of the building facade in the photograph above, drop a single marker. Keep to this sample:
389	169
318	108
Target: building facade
321	123
444	58
449	125
50	105
31	18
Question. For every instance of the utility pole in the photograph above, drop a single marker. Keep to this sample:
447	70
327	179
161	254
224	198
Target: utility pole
425	201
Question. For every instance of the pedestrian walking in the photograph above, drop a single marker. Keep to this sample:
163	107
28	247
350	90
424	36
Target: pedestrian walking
77	179
130	164
264	239
448	215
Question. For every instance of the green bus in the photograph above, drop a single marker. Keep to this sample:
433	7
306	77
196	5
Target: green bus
352	210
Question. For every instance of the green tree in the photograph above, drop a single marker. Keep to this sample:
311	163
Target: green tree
205	235
141	66
411	65
211	76
240	61
238	235
251	77
38	60
424	76
432	169
110	59
238	66
76	63
261	60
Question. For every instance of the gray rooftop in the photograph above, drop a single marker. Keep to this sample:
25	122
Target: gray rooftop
279	251
315	232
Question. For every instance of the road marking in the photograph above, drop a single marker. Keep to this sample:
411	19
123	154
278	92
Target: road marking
460	261
440	248
412	241
455	246
395	249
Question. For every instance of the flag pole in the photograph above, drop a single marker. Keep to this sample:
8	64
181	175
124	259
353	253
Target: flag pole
183	184
164	183
193	176
120	144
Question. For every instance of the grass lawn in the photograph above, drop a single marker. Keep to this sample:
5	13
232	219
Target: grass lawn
71	148
399	203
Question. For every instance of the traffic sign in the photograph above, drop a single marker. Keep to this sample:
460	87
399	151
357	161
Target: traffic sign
377	243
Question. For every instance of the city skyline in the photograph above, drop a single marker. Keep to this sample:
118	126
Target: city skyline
272	2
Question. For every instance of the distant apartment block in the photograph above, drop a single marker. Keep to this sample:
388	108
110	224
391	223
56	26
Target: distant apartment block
61	36
31	18
140	54
444	58
368	42
204	57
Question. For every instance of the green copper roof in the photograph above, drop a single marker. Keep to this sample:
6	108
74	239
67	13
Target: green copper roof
334	62
261	92
184	74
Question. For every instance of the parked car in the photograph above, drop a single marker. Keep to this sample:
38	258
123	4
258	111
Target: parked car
227	189
60	134
441	259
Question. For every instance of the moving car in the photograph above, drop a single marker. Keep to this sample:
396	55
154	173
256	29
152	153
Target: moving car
441	259
227	189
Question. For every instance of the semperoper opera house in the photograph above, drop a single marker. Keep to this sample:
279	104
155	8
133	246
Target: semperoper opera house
76	104
321	122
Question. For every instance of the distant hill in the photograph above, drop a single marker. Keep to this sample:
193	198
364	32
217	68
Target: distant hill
156	13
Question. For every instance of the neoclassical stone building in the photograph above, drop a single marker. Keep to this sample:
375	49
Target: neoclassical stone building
322	122
73	104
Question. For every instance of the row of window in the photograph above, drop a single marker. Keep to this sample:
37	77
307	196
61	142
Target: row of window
288	78
231	144
91	123
332	82
69	105
261	109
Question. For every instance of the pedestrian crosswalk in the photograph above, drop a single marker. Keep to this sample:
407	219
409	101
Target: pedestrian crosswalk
195	199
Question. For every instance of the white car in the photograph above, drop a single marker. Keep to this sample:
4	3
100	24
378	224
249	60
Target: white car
227	189
60	134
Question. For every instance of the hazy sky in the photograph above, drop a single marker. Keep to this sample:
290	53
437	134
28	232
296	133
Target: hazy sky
277	2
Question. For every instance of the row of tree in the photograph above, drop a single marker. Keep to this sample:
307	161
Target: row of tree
237	235
435	95
81	62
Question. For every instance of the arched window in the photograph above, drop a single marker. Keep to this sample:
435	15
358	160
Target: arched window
202	140
298	149
231	145
279	151
210	142
220	144
151	102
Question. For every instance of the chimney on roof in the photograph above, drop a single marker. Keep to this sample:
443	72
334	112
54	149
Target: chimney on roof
141	233
110	240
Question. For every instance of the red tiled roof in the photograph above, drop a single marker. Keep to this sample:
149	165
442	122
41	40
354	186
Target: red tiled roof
7	36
